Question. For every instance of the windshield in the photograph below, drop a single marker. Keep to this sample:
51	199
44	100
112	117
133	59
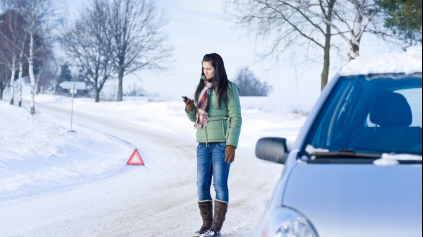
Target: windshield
371	115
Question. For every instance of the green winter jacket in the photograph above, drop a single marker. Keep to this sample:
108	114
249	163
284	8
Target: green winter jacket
224	124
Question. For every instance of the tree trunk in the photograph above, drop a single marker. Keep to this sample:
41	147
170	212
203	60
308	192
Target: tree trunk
37	79
96	94
326	63
1	93
12	80
20	83
31	74
328	39
356	35
354	51
120	86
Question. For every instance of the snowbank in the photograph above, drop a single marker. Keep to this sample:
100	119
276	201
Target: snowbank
38	155
408	63
262	116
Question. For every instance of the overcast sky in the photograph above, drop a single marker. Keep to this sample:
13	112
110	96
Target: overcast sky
195	29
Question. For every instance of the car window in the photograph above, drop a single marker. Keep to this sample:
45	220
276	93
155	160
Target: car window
414	98
382	115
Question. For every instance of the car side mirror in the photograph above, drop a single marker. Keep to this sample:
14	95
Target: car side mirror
272	149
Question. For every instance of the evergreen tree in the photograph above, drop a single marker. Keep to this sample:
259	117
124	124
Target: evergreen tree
65	75
80	77
404	17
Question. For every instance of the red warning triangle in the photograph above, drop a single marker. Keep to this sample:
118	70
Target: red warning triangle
135	159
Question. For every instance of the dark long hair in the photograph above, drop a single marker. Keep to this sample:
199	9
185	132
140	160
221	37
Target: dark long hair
220	80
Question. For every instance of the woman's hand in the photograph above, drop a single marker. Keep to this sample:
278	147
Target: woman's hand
230	154
189	104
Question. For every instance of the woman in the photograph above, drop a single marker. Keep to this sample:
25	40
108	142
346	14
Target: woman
216	111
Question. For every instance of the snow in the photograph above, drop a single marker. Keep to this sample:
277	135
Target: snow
39	156
53	179
401	157
384	162
262	116
311	149
392	160
409	62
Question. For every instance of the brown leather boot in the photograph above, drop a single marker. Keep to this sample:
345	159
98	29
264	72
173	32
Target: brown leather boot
220	210
206	210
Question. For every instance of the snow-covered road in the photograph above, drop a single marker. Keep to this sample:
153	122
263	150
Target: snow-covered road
159	200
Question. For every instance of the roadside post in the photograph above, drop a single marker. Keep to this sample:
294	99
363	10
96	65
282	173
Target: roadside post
73	87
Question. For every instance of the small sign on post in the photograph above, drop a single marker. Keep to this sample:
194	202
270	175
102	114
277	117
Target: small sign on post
73	88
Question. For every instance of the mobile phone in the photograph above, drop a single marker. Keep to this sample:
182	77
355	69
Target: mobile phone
185	98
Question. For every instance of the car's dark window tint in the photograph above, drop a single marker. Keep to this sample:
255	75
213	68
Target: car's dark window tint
371	115
414	98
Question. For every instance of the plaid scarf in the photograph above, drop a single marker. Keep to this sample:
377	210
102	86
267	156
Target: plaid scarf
203	105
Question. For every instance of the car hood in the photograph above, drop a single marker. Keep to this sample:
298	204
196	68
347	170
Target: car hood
358	200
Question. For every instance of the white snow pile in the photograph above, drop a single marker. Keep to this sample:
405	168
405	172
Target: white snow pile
407	63
311	149
39	156
390	159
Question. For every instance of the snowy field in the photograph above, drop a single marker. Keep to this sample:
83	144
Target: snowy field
262	116
75	184
39	156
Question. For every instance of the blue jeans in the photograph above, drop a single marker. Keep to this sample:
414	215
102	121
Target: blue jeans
211	164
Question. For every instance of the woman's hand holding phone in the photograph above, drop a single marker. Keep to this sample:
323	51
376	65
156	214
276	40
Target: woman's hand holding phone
189	103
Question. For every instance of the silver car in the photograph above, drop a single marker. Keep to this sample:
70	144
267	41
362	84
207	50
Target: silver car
356	167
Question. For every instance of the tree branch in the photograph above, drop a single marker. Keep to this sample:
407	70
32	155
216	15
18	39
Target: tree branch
326	21
367	24
295	26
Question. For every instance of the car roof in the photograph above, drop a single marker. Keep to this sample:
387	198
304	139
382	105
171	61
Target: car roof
405	63
396	76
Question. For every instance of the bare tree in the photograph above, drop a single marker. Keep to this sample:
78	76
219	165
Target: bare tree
135	90
3	69
24	46
8	36
41	16
250	85
11	35
47	69
364	13
4	78
89	44
138	41
309	25
14	38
